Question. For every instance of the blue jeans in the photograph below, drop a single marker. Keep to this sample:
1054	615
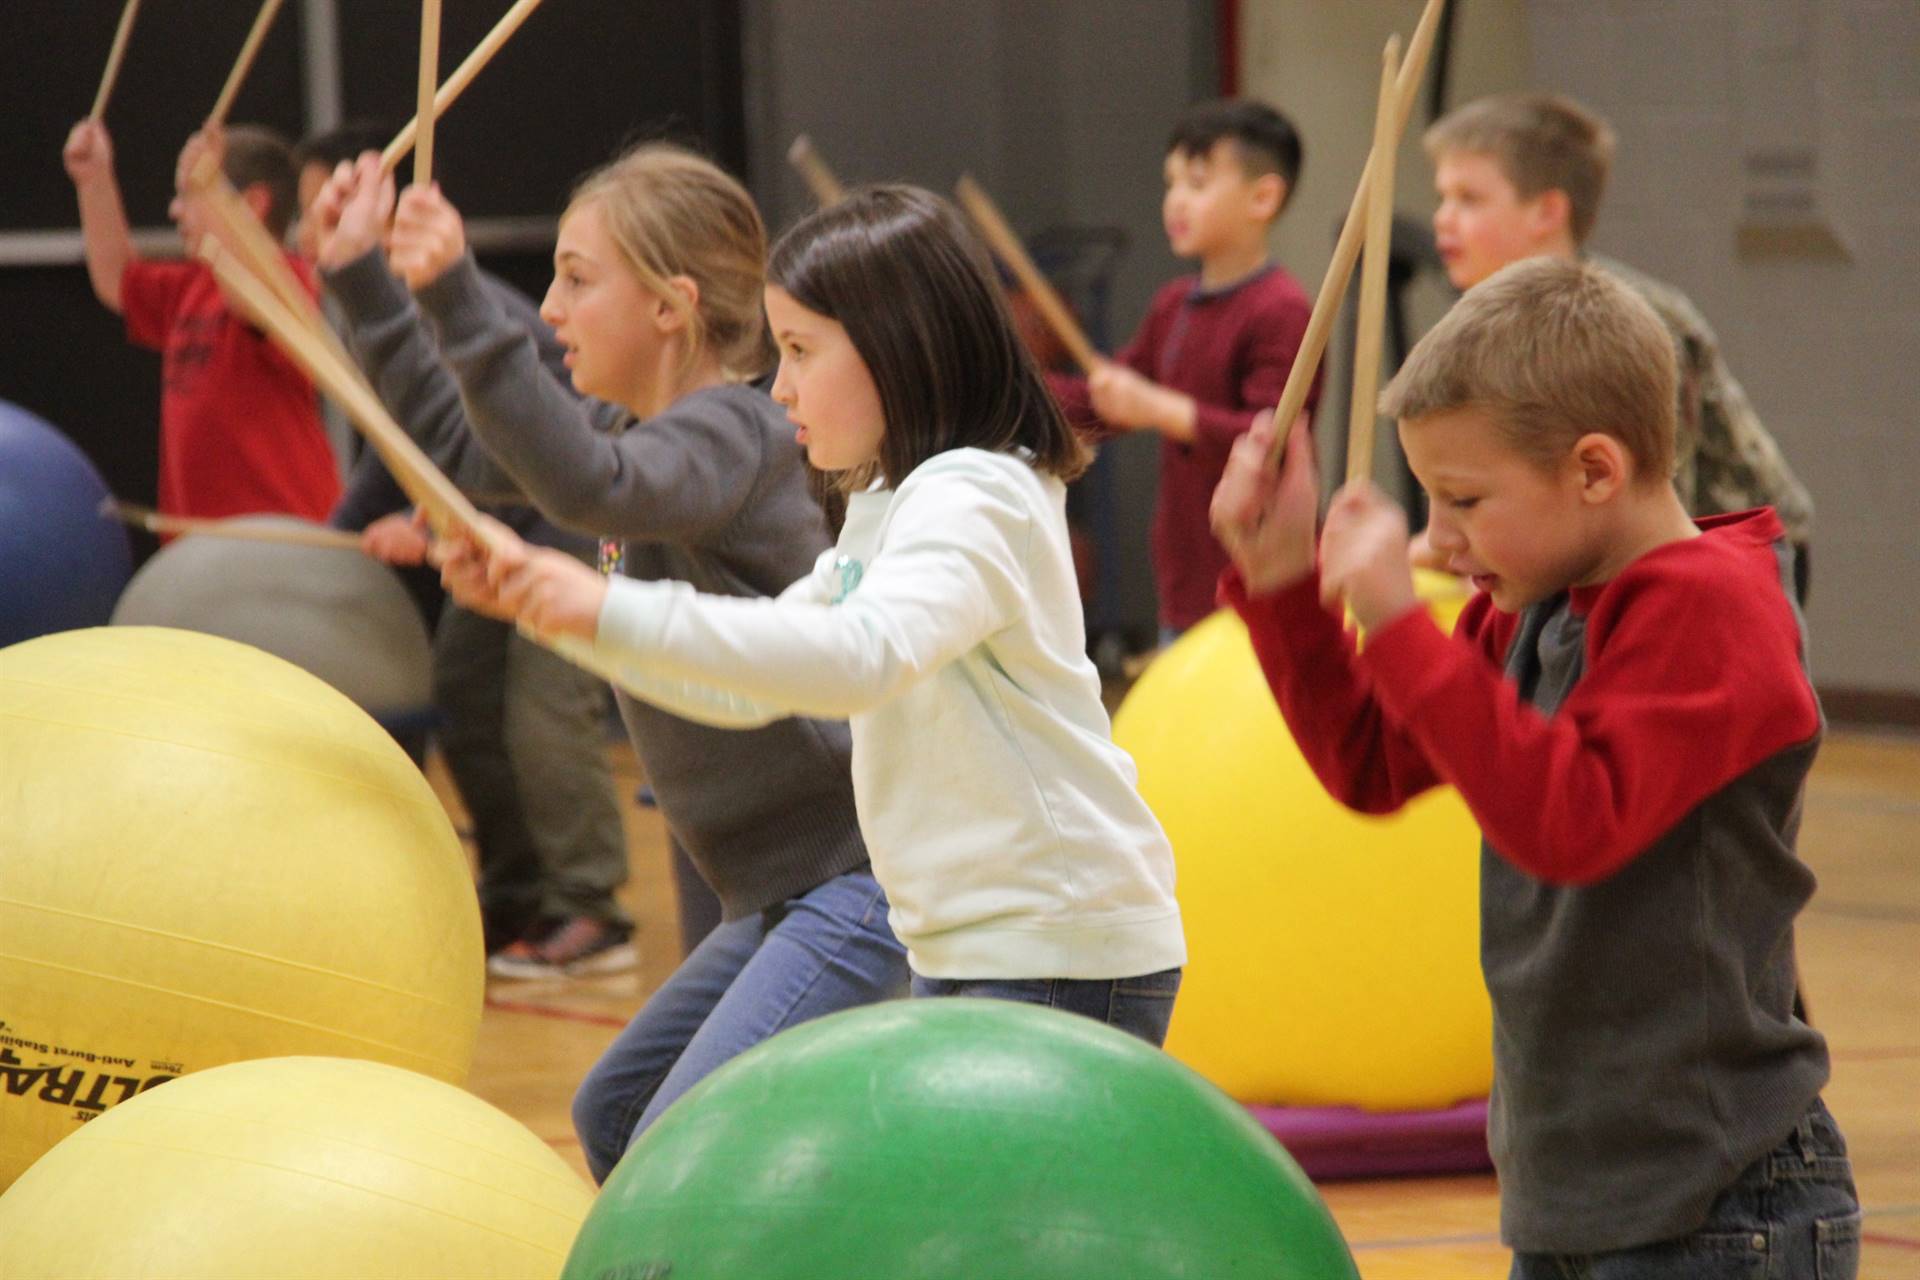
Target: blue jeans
1792	1215
748	980
1138	1006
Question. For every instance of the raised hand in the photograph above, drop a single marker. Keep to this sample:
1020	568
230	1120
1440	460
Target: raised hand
352	211
1363	556
88	154
1265	519
428	236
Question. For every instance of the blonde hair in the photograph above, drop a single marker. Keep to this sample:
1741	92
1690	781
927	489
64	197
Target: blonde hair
673	213
1542	142
1551	349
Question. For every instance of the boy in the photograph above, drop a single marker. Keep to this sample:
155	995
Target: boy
1625	709
1214	349
1522	175
239	423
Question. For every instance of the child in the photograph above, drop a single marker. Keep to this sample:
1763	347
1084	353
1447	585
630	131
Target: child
1020	860
239	423
1214	349
1626	710
1522	175
656	302
522	733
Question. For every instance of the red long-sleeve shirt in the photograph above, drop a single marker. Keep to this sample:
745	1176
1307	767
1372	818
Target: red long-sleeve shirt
1692	676
1230	349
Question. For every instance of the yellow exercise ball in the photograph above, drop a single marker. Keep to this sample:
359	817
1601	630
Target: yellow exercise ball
1333	957
210	855
298	1169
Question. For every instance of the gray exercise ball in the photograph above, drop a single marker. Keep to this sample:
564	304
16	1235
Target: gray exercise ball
338	614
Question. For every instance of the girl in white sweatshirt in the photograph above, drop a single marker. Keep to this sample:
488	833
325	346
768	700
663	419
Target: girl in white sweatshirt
945	625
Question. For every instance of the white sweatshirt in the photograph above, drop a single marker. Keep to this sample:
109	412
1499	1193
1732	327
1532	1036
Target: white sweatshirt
1002	820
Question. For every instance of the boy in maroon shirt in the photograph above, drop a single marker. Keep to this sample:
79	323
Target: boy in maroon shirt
1625	708
1215	348
240	428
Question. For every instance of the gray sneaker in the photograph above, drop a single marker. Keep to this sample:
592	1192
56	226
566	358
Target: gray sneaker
581	947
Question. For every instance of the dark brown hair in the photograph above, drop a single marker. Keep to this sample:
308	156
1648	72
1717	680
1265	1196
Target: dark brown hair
918	297
1266	140
256	154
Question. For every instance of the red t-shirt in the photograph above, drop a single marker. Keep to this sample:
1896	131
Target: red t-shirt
240	425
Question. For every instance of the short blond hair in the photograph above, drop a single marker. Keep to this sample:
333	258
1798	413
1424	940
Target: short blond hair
1551	349
674	213
1542	142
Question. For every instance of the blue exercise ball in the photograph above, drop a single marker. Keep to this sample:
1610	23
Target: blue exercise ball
64	563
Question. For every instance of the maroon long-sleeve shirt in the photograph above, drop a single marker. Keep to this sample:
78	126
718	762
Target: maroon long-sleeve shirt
1635	753
1230	349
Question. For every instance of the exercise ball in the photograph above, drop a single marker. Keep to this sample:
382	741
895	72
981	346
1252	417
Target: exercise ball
953	1138
332	611
1333	958
62	564
299	1169
209	855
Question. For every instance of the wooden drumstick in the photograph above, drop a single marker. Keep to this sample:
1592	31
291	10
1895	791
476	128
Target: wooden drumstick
243	64
1007	245
826	188
293	535
1313	344
456	83
429	78
114	57
1364	411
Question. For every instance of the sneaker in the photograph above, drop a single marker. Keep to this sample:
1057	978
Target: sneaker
580	947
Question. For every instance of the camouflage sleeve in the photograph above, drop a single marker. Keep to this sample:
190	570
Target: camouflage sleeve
1738	464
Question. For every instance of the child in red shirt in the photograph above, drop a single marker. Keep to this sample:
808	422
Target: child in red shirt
1214	348
240	429
1625	708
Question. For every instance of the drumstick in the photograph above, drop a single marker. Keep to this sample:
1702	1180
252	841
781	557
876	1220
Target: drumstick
456	83
114	56
243	64
826	188
1332	289
1006	244
447	509
296	535
1364	411
429	77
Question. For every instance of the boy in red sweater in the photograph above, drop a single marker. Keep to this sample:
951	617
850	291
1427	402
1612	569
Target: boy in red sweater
1215	348
240	427
1625	708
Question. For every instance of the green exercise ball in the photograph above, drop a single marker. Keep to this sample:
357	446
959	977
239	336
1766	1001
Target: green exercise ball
951	1138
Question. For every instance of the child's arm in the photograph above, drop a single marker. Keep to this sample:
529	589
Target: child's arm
1265	520
88	157
950	574
1692	677
386	333
681	476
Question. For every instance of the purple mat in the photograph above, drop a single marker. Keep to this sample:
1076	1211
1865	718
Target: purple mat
1346	1142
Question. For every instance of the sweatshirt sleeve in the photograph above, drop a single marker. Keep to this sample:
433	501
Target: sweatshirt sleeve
950	572
681	476
391	342
1691	680
1362	757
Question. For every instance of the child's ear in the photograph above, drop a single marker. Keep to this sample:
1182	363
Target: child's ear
259	198
670	318
1552	214
1603	466
1269	196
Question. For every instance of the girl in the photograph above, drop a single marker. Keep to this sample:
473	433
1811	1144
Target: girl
655	298
1003	822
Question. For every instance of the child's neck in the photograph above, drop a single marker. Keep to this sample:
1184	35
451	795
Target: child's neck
1650	521
669	383
1232	263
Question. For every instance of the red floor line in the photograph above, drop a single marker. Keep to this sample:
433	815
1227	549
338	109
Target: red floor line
563	1015
1897	1242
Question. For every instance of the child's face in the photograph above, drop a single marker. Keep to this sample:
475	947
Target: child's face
824	385
1211	204
1483	222
601	313
1521	531
186	218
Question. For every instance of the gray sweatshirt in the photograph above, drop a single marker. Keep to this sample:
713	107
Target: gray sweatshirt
711	492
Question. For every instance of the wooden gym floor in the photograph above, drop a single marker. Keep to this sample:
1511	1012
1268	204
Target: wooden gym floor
1859	949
